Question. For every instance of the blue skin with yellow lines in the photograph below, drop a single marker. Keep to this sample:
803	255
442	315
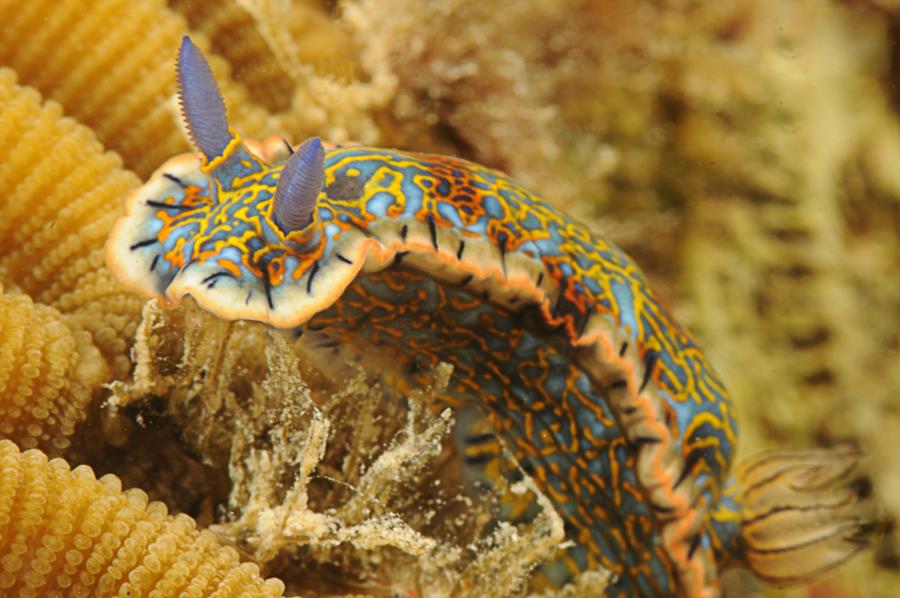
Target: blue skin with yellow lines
605	400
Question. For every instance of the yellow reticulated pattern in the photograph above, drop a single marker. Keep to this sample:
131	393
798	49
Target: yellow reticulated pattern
48	374
63	532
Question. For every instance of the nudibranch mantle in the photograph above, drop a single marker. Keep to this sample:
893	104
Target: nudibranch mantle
183	234
585	374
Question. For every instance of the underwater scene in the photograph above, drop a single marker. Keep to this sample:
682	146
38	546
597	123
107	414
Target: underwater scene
421	298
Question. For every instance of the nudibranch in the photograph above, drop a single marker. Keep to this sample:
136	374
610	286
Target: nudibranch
606	401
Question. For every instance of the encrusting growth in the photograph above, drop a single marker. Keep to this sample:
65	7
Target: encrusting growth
345	473
64	532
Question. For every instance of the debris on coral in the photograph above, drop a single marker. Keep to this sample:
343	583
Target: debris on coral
338	474
570	107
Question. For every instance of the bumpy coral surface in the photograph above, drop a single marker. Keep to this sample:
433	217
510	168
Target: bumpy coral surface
86	59
63	532
48	374
61	192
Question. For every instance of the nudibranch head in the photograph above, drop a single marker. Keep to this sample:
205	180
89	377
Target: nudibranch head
236	226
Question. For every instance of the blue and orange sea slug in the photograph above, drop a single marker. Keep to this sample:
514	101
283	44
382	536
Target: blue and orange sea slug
552	331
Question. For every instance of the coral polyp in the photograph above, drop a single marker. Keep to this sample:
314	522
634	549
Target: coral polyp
49	374
64	532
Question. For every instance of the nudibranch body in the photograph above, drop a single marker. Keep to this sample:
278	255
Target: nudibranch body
599	394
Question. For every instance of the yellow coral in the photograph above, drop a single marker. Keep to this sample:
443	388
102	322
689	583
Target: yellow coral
60	194
63	532
48	374
110	66
112	69
268	42
86	60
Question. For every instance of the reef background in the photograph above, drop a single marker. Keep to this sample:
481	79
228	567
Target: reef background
745	152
